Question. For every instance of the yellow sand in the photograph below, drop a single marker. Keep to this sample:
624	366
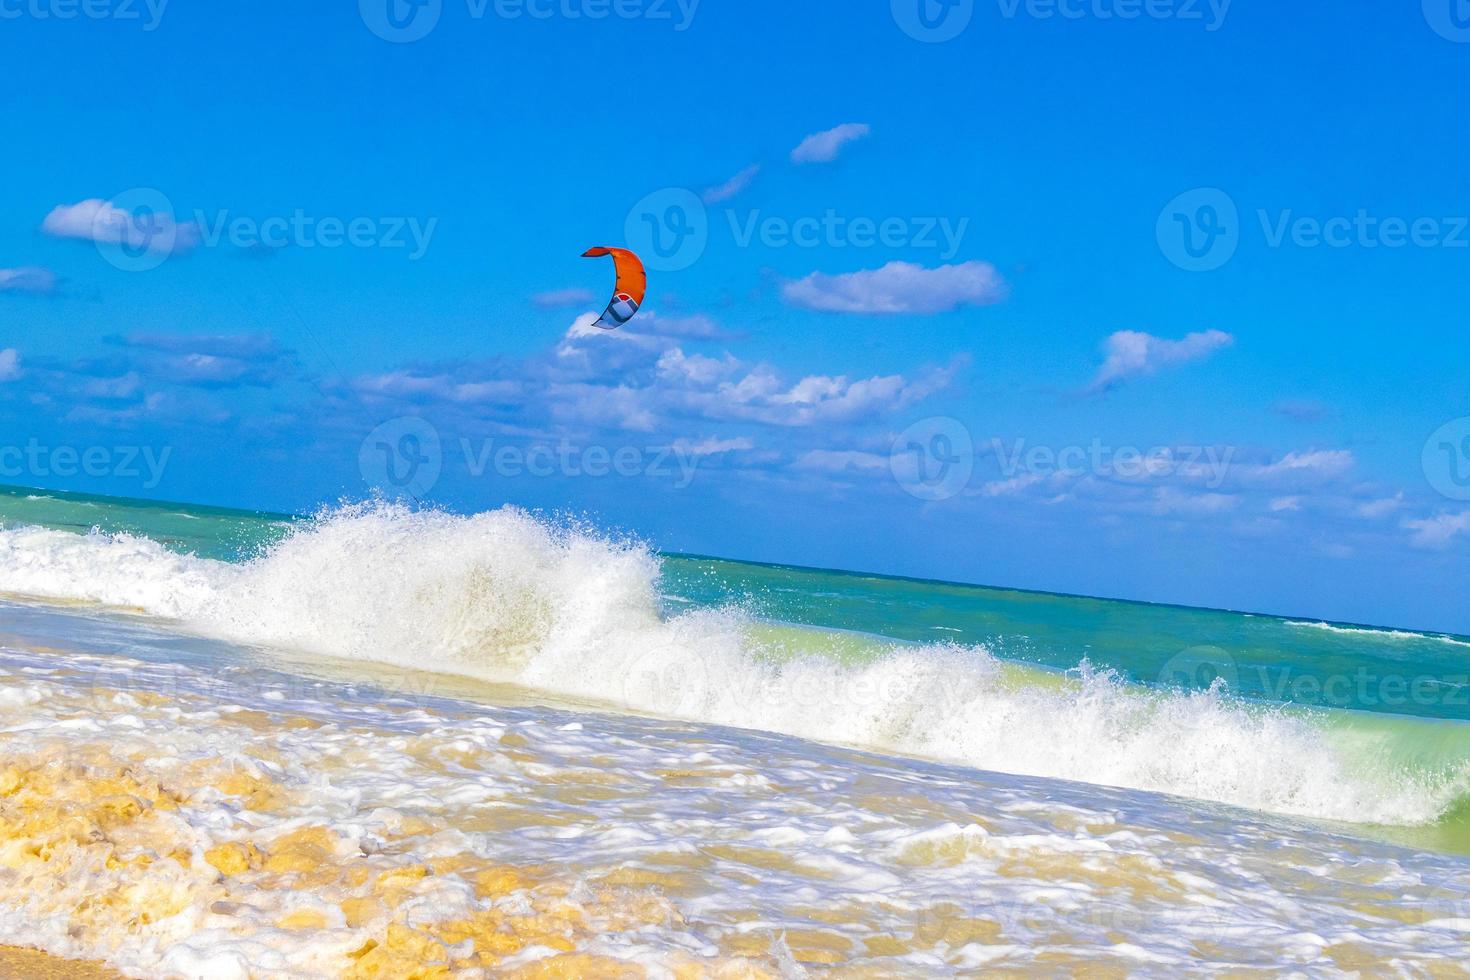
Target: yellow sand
28	964
87	809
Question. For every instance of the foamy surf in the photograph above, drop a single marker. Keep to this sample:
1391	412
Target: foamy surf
288	830
508	598
1385	634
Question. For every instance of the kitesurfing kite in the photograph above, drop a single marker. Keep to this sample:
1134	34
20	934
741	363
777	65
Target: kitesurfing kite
628	293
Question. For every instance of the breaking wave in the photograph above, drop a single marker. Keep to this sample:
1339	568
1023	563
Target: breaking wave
507	597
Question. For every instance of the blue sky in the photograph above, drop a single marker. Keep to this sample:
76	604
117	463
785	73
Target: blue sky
934	302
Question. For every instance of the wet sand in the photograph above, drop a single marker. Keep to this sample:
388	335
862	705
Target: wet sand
29	964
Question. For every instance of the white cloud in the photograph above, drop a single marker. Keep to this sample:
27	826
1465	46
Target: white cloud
560	298
482	392
27	279
1329	461
841	461
1168	501
152	405
1440	531
586	353
732	187
9	364
1131	354
623	379
825	146
208	360
119	388
696	326
695	368
658	376
760	396
1286	505
1315	464
413	385
899	287
713	446
97	220
1374	509
621	406
1015	485
1301	409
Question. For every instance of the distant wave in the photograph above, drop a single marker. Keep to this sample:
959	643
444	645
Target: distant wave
1385	633
503	596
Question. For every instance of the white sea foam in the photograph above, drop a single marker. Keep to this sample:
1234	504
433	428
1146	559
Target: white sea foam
155	832
1386	634
505	597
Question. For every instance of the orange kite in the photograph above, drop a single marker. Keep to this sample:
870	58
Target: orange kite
631	286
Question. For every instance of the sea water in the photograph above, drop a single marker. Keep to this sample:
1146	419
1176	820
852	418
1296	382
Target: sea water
383	740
